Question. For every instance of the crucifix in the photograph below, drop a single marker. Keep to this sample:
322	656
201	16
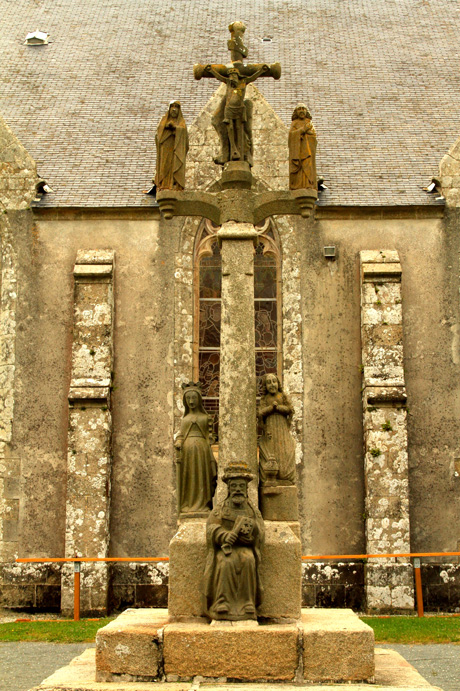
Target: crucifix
237	208
233	118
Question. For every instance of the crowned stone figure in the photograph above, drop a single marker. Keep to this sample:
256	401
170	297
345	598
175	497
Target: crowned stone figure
235	535
196	465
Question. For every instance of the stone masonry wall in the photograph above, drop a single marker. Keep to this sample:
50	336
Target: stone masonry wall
90	428
389	582
449	172
18	178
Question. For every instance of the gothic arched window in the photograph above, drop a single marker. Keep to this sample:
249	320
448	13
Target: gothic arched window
207	310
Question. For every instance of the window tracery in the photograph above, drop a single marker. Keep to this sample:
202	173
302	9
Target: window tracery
207	310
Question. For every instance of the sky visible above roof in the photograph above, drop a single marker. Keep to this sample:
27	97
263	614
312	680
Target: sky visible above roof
382	80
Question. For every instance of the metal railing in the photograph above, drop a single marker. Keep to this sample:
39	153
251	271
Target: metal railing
416	556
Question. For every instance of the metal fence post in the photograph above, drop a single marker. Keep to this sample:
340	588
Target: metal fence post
76	590
418	586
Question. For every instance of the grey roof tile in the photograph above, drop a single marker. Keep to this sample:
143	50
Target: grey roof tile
382	80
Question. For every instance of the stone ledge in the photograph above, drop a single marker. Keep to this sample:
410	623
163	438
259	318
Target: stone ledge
140	645
337	646
131	644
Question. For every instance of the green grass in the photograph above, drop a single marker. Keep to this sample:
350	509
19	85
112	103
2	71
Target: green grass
52	631
432	629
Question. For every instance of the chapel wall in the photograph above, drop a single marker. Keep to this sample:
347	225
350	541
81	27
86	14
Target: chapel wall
332	474
142	503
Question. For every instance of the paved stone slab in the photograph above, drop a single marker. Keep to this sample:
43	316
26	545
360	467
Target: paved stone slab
438	663
79	676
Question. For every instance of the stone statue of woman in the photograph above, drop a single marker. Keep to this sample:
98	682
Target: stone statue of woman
302	150
172	145
196	465
276	445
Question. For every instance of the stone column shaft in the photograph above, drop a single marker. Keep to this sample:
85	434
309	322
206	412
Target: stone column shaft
90	427
389	583
237	424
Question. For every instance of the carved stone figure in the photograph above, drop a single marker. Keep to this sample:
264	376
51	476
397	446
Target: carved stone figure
233	119
235	535
172	146
196	465
302	150
276	445
235	44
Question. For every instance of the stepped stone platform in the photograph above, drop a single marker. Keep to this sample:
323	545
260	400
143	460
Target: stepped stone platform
322	645
392	673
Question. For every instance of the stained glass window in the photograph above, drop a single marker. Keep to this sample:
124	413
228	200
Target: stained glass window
208	266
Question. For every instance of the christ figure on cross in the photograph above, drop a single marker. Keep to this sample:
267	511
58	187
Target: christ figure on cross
233	118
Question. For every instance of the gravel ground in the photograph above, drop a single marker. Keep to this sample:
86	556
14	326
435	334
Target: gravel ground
23	665
439	664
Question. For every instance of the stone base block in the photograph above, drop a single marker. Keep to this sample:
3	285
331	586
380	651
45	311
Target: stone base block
337	646
187	561
130	645
279	503
324	645
244	653
389	587
281	573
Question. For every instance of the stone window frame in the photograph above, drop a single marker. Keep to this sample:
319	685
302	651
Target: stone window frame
204	239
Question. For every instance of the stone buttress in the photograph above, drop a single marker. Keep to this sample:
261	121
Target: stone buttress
388	582
90	428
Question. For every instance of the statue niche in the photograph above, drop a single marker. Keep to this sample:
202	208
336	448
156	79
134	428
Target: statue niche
195	463
235	536
172	146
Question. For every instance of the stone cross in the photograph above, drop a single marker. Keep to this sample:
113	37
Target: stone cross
233	117
237	208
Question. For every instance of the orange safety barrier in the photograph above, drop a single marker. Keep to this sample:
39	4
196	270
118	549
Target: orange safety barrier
317	557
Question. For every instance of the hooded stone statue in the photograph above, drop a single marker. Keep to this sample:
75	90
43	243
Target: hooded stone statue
302	150
172	146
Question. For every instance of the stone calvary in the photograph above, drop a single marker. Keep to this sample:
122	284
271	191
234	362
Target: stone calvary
235	560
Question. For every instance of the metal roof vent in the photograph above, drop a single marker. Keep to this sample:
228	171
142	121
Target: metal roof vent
36	38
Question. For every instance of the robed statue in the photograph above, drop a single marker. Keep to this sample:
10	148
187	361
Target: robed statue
276	445
235	536
195	462
172	146
302	150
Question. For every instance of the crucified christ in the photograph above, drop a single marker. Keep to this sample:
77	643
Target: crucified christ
233	118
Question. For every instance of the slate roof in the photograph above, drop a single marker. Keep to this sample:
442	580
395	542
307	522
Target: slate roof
382	79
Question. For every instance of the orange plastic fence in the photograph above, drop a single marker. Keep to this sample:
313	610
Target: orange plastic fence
317	557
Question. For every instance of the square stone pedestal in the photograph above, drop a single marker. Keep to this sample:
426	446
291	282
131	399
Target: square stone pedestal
323	645
279	503
281	572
